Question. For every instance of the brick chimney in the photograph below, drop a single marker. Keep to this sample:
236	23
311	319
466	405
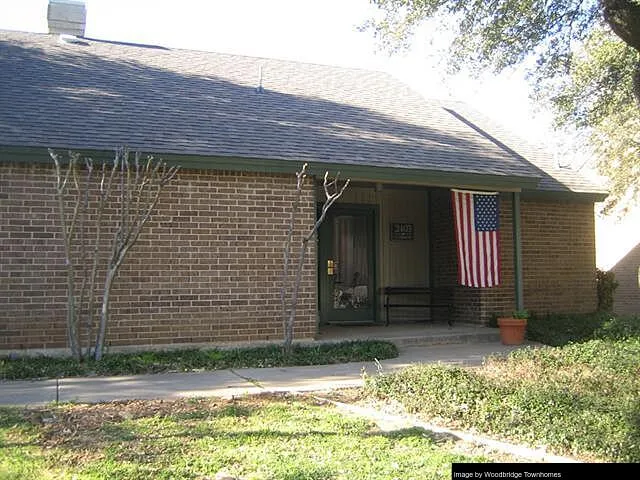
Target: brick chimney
67	17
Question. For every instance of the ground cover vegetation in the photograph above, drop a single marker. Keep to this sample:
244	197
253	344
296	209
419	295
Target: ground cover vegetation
14	368
277	437
577	398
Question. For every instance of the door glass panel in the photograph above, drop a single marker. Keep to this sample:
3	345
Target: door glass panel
351	267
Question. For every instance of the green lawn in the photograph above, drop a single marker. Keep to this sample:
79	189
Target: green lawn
253	438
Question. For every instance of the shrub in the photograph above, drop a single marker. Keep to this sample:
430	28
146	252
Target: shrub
560	329
606	286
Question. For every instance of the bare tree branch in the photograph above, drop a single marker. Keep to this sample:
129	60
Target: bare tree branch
284	285
83	250
143	190
330	198
333	191
139	192
67	236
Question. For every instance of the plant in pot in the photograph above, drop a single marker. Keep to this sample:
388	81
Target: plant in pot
513	328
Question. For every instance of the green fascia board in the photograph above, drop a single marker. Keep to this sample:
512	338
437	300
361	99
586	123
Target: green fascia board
435	178
563	196
409	176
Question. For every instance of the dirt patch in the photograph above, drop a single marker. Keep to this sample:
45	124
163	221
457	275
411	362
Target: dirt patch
77	423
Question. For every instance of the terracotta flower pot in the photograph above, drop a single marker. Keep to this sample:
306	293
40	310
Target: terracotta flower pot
512	330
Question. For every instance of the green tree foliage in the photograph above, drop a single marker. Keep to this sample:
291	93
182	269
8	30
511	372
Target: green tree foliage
597	97
492	33
585	53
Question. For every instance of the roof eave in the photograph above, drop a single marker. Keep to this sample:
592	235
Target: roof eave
564	196
409	176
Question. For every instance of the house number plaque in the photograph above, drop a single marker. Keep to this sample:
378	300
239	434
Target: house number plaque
402	231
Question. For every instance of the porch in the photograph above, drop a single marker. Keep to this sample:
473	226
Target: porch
383	237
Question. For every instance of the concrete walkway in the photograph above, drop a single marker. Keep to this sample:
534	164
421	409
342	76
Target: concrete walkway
228	383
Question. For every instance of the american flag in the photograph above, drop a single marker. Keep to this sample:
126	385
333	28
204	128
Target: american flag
476	216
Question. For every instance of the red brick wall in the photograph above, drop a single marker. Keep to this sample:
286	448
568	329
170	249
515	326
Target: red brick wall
471	304
559	256
443	249
206	268
558	250
442	257
501	300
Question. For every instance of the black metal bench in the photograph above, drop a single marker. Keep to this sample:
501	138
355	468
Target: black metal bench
421	292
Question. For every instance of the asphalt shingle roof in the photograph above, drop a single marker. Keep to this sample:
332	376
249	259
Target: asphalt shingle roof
99	95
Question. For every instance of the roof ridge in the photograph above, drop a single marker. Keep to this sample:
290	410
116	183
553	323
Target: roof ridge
206	51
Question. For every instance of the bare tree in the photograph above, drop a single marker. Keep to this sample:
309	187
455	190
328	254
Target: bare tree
68	225
138	185
332	191
140	188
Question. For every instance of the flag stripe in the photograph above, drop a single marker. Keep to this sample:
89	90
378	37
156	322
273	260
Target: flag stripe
497	260
477	238
482	279
459	240
468	238
488	259
473	241
462	277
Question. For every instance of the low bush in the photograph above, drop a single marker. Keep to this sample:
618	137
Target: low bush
193	360
561	329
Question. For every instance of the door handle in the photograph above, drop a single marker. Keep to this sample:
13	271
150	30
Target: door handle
331	267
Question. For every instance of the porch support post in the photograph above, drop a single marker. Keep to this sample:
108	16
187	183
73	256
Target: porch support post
517	251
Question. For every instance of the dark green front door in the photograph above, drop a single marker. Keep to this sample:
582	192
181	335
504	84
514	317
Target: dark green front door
346	267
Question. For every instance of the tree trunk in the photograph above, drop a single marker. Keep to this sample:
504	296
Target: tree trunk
623	16
67	236
72	314
291	318
332	192
104	314
284	287
139	193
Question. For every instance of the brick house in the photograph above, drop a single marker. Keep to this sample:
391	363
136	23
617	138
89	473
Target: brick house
627	275
207	268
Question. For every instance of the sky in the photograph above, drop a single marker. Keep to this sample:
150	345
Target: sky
316	31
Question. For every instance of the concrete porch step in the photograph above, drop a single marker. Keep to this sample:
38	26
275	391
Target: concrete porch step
411	334
446	338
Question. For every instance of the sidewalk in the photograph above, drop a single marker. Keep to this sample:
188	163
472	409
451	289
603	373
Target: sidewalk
228	383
